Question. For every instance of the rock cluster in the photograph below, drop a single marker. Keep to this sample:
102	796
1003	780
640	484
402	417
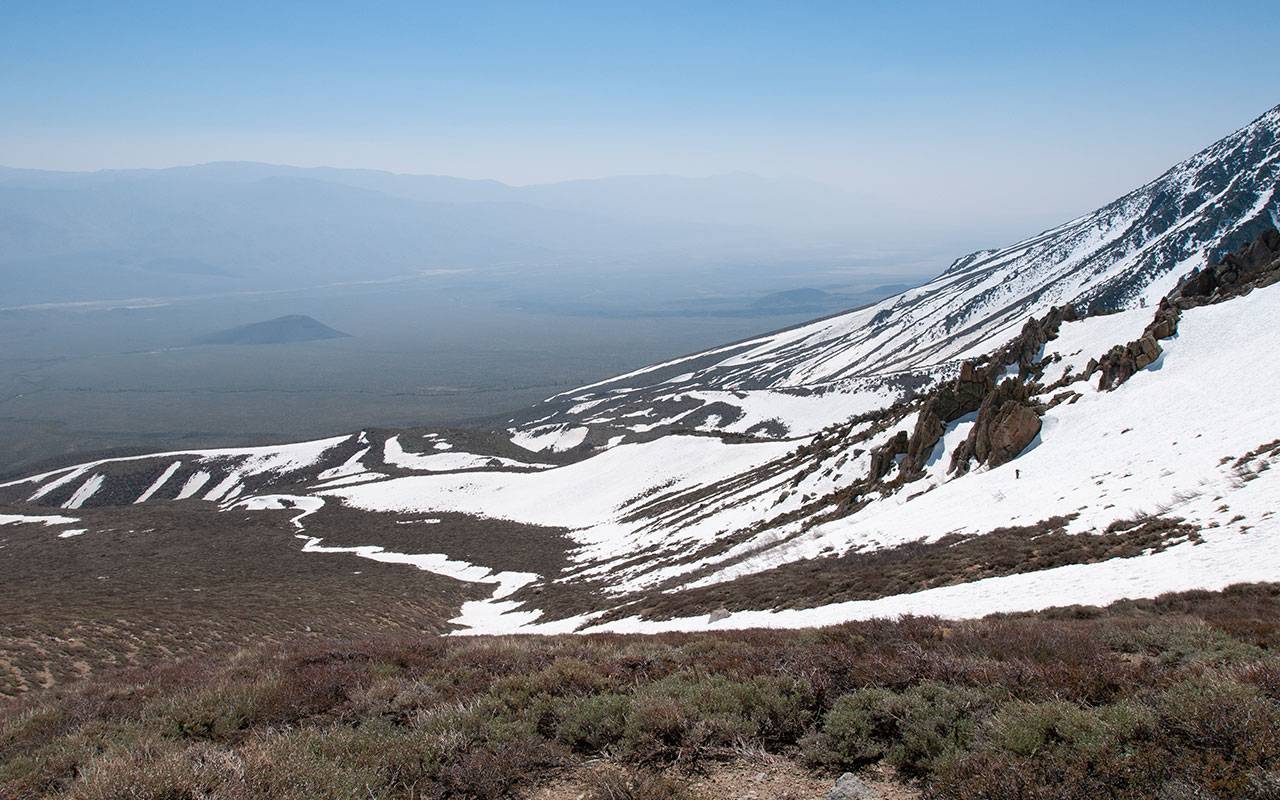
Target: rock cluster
1254	265
949	402
1025	349
1007	422
1124	360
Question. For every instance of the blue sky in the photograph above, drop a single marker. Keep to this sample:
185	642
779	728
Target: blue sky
1036	109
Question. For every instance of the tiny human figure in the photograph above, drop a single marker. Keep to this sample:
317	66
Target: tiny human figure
1017	473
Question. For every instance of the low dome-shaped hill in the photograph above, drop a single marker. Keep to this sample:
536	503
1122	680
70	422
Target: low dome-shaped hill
292	328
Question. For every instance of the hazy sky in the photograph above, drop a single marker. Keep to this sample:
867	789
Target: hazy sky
1028	109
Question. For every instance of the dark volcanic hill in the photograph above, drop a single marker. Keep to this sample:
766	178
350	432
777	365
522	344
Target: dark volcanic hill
281	330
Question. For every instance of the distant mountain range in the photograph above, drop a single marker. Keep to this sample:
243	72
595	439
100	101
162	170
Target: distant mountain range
242	227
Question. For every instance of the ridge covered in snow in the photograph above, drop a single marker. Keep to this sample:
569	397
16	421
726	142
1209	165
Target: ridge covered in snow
1128	253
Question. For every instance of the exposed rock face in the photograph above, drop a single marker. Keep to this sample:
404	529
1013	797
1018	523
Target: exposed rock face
928	431
996	406
1014	427
1007	422
1124	360
1256	264
1165	324
1025	349
882	457
964	396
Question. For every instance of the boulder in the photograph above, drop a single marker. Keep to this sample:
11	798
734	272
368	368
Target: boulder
848	787
1014	427
1145	351
1009	391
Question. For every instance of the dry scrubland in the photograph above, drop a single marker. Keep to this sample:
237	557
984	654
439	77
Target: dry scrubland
1177	697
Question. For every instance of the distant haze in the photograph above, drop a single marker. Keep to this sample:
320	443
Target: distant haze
997	118
463	299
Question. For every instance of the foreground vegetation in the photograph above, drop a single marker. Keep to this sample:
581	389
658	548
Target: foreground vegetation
1174	698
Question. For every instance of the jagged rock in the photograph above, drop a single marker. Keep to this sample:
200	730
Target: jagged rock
1009	391
1255	264
1006	424
1025	348
1147	350
1165	323
952	401
928	431
960	458
1117	367
1122	361
1015	427
849	787
882	457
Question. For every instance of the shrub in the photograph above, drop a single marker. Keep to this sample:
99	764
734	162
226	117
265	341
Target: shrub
593	724
939	720
681	717
858	729
1030	728
1179	643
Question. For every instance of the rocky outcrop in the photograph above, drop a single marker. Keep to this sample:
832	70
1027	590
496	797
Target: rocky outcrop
1024	350
882	457
963	396
997	405
1007	422
1254	265
924	438
1015	426
1124	360
1165	324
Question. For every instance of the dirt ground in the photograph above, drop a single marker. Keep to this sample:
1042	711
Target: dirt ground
754	777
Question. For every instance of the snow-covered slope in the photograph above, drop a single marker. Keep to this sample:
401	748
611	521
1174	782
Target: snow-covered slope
843	468
1126	253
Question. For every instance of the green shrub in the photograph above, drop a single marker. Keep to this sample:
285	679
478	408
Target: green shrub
593	724
858	729
938	720
1179	643
1030	728
680	716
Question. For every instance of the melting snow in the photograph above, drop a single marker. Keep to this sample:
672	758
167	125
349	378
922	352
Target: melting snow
86	490
160	481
